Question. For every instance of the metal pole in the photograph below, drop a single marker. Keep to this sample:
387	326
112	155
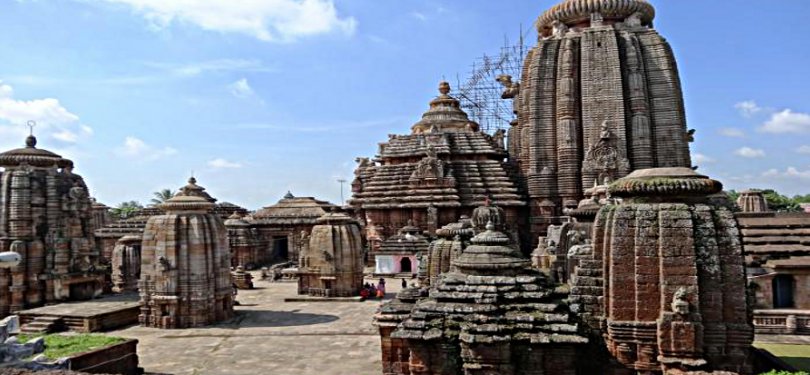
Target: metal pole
342	181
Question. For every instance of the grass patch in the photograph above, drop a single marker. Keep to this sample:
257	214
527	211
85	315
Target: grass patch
797	356
58	346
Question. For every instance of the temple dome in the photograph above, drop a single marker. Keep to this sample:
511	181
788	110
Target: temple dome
32	155
665	182
236	220
445	114
191	197
571	12
491	254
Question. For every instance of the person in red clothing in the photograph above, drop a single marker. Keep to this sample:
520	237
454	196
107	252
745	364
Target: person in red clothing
364	293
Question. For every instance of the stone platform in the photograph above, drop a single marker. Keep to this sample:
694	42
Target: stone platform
100	314
270	336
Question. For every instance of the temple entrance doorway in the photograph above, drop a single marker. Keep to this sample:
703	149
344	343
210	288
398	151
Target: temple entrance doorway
281	248
405	265
782	291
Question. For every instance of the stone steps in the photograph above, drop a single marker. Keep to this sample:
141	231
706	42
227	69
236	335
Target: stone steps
43	324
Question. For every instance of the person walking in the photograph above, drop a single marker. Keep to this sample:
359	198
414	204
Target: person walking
404	284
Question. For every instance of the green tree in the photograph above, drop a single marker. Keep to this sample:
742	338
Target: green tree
802	198
161	196
733	195
125	209
780	203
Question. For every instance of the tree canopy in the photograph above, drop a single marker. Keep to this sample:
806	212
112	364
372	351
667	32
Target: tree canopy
778	202
125	209
161	196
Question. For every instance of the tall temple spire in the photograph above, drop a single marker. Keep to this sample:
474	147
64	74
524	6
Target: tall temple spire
584	13
600	97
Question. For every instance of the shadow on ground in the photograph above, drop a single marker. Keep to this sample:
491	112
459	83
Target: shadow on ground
800	363
263	318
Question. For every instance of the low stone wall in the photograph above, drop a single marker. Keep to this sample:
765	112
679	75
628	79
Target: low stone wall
121	358
782	322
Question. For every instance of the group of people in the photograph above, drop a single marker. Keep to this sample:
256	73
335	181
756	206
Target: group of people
377	291
373	291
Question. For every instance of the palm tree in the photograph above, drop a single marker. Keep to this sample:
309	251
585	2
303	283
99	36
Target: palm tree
125	209
161	196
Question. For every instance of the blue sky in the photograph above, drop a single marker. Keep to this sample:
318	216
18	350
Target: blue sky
258	97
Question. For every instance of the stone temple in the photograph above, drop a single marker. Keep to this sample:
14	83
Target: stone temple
46	215
599	97
185	267
331	264
445	168
665	281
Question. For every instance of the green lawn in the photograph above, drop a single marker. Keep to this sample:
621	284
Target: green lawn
58	346
797	356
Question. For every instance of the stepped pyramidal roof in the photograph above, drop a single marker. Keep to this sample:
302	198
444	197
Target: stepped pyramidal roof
445	162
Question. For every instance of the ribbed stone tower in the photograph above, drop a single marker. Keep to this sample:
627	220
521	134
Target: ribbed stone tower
331	265
451	241
247	249
599	97
46	216
185	269
126	264
665	283
752	201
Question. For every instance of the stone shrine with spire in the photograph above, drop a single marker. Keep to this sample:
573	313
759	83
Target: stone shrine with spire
444	169
331	264
599	97
185	269
491	314
46	215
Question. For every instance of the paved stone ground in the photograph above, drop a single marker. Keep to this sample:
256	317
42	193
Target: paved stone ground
269	336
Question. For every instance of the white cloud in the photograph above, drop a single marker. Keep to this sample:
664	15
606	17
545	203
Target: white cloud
789	172
52	119
240	88
805	149
420	16
732	132
218	65
773	172
700	159
748	108
787	121
135	148
748	152
266	20
220	163
66	136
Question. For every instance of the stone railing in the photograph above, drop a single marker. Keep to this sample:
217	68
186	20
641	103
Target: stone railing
782	322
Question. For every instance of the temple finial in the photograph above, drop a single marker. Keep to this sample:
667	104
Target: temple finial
31	141
444	87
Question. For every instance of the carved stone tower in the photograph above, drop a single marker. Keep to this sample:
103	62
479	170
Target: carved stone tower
600	97
185	268
331	265
665	282
46	216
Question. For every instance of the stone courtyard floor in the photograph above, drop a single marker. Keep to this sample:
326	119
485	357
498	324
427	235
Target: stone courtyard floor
270	336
